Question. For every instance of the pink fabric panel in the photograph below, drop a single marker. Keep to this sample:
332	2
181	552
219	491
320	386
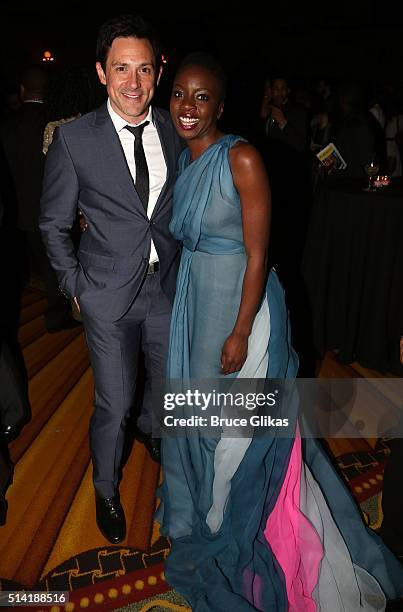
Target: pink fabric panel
293	540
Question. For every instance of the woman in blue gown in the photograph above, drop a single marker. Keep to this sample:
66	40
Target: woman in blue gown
260	523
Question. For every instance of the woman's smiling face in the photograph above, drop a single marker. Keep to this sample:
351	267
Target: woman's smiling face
196	102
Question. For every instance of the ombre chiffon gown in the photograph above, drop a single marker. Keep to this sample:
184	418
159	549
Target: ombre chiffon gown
262	523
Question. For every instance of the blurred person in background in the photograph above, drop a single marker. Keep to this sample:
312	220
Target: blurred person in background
22	142
15	409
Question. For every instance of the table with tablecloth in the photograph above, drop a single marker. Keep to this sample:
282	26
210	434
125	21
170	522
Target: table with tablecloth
353	271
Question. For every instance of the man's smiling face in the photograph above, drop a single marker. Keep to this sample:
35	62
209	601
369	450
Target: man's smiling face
130	77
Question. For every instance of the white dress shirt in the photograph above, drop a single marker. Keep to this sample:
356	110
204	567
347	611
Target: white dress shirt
157	168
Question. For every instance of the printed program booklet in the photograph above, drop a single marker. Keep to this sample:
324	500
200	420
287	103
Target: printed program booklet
330	156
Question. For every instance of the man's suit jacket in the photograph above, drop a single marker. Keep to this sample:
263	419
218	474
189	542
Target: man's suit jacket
22	141
294	137
86	167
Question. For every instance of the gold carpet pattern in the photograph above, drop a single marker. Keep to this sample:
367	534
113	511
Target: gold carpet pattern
51	541
51	515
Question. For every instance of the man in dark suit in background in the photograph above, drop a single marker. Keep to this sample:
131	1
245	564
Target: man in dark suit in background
285	148
15	410
22	141
118	164
287	154
6	468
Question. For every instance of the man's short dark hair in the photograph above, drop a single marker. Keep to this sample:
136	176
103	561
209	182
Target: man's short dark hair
210	63
280	77
125	26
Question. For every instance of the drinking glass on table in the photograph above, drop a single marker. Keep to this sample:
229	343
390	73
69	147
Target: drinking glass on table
371	169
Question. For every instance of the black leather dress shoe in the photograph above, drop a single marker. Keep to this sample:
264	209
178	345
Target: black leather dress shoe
111	518
153	445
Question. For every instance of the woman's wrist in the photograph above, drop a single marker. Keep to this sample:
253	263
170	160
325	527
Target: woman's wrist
242	332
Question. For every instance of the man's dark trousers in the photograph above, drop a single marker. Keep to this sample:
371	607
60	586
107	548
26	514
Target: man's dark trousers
114	349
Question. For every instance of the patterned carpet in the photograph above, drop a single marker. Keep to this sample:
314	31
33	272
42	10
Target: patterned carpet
51	541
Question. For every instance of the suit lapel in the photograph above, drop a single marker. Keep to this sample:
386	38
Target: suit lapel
164	133
112	159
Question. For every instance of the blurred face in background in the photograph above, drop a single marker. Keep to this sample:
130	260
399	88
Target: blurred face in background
280	92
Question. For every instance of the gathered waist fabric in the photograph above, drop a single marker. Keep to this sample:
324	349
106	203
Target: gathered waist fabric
215	247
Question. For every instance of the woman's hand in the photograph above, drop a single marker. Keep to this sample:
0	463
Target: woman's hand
234	353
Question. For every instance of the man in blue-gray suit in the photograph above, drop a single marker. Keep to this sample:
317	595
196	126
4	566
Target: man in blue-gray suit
117	165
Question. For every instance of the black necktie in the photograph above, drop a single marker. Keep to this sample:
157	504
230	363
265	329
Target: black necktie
142	179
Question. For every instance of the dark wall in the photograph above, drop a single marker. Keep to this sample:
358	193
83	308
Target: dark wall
350	39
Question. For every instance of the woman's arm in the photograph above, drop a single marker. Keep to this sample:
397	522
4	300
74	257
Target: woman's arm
251	181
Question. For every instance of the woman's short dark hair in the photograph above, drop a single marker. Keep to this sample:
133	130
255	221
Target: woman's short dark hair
125	26
210	63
